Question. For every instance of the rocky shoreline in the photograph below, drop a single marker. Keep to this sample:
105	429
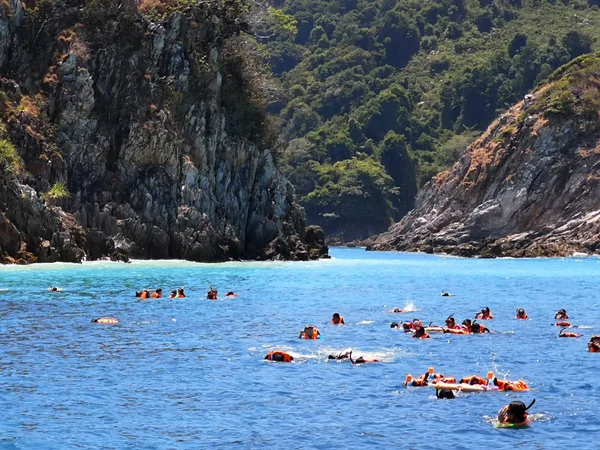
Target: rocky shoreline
528	187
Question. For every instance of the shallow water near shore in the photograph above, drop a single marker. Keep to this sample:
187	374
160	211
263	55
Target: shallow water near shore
189	373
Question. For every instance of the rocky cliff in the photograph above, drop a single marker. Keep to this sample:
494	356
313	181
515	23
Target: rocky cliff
140	133
529	186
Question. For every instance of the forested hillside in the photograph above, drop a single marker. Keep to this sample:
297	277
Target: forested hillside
377	96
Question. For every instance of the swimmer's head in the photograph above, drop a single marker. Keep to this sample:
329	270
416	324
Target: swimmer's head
450	321
173	293
336	317
159	291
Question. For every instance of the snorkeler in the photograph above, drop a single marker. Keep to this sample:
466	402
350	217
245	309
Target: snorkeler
514	413
341	356
212	293
310	332
521	314
106	320
594	344
173	294
336	319
568	334
474	327
420	331
451	323
396	310
180	293
446	294
279	357
231	294
361	360
157	293
54	289
561	315
485	314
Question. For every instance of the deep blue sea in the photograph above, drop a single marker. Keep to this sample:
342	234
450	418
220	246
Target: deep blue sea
190	373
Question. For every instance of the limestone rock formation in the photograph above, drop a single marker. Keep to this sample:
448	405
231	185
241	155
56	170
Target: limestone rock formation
529	186
152	126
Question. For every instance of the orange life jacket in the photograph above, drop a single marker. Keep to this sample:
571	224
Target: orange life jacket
593	349
473	380
180	296
479	316
522	318
425	336
315	334
421	381
505	385
563	324
156	295
286	357
340	322
569	335
145	295
454	327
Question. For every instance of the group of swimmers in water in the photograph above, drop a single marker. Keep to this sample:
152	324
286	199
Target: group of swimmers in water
212	294
145	294
513	414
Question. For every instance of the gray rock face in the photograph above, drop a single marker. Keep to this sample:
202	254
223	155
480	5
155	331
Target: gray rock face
142	142
528	187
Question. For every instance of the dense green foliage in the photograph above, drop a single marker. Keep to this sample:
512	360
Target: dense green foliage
394	90
11	163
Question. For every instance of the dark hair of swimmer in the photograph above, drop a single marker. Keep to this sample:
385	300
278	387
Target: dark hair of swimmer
467	322
173	293
515	412
394	325
180	291
230	293
54	288
159	290
138	294
444	394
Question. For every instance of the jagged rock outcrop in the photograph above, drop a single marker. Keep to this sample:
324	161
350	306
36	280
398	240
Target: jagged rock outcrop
529	186
152	126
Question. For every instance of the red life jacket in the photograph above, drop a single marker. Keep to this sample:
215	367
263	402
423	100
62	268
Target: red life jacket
522	318
286	357
473	380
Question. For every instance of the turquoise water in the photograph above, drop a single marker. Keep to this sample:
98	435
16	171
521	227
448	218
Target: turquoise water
189	373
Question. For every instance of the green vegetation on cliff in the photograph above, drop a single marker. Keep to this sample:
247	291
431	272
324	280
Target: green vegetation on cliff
394	90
